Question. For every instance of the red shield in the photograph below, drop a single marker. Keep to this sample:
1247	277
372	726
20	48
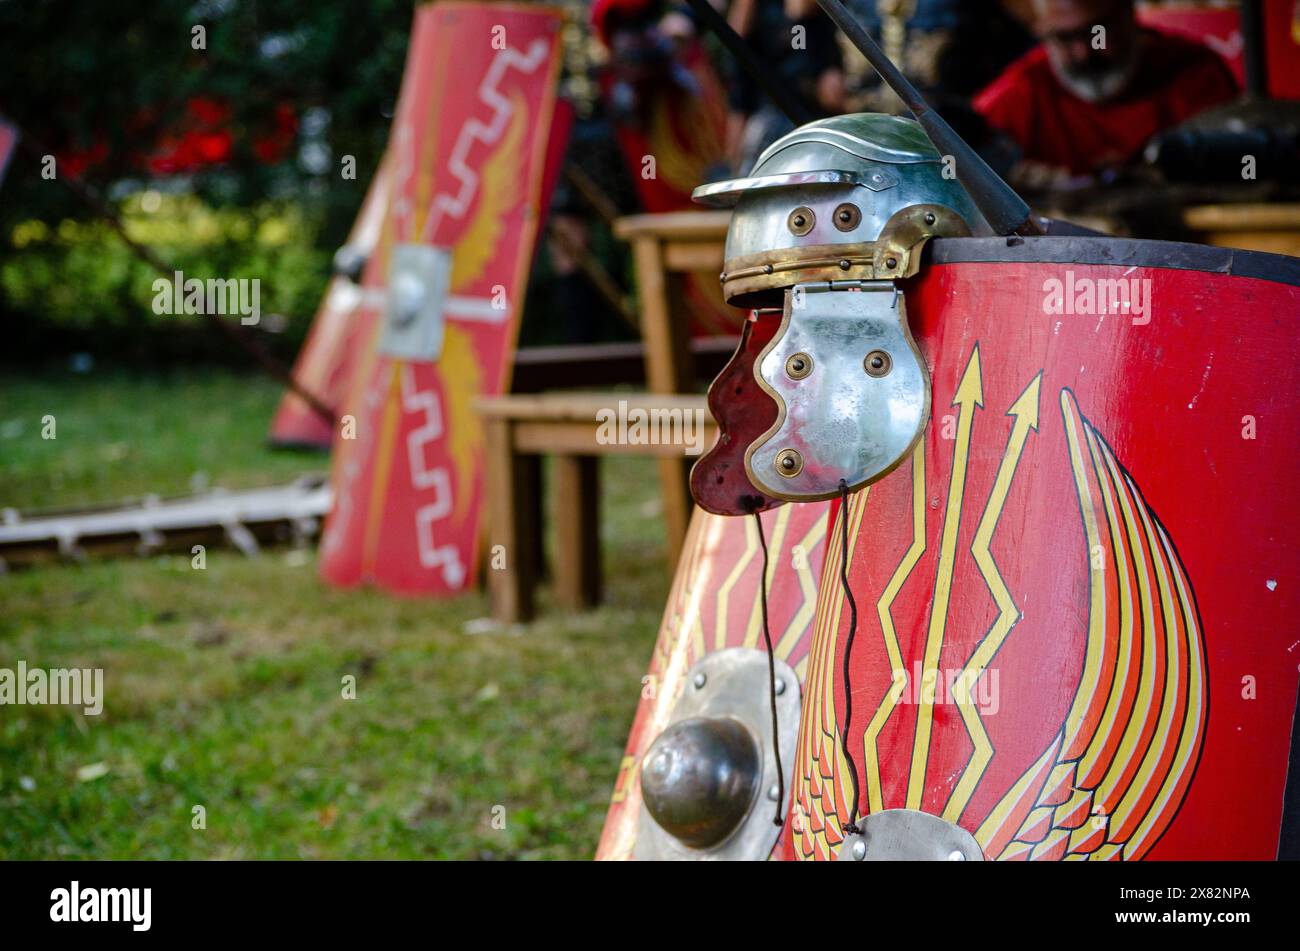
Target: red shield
1075	602
469	160
324	368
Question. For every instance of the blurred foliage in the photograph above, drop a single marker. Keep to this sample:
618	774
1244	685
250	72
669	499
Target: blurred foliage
113	81
115	78
78	73
74	286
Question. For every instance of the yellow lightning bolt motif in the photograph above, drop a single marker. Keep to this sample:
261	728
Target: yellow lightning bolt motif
733	578
875	798
462	368
1025	411
808	585
970	394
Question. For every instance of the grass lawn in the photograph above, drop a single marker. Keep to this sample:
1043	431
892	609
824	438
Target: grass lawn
223	686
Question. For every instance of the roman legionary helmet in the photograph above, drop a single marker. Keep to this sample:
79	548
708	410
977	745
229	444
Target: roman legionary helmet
828	221
847	198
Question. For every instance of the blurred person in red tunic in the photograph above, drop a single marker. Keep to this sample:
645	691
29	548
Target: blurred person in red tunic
1087	99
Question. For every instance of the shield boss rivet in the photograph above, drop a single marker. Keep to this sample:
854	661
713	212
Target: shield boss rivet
789	463
847	216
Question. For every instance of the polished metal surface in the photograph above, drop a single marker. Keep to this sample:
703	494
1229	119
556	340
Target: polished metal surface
801	220
694	774
725	194
841	420
847	216
350	262
840	150
873	136
876	165
908	835
418	281
700	777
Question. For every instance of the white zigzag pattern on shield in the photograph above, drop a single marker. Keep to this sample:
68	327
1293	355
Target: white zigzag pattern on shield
476	131
438	478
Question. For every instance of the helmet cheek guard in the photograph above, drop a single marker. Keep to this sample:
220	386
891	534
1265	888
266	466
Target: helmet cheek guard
851	388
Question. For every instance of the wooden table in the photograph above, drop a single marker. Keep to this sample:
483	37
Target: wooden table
664	248
519	430
1254	227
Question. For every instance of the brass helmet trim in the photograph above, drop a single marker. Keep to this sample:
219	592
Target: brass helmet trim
757	279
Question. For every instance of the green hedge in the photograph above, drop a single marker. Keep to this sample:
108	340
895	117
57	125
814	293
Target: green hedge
76	286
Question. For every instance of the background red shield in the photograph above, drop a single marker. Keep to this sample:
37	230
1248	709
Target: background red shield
469	164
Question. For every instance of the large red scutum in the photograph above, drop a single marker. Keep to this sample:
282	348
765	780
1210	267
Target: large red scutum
1100	524
338	331
473	154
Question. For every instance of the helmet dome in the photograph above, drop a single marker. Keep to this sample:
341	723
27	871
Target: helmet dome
837	199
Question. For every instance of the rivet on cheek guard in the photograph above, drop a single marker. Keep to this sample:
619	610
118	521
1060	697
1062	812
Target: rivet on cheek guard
859	411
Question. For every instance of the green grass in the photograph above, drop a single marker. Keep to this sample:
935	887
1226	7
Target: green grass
119	435
224	686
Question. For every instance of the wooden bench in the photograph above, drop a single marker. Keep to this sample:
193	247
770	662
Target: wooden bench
573	428
539	369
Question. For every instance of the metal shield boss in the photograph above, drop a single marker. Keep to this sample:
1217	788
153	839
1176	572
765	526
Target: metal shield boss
852	391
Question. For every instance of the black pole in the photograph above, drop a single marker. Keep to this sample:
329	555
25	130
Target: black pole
1004	210
1253	57
735	44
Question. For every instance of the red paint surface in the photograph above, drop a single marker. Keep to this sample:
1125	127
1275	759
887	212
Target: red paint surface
329	355
1169	398
743	412
1219	29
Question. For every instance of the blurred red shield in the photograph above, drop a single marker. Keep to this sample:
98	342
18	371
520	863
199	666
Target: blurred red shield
469	163
329	355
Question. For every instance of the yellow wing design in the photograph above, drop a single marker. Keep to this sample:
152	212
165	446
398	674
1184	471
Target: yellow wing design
822	786
499	191
1113	778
